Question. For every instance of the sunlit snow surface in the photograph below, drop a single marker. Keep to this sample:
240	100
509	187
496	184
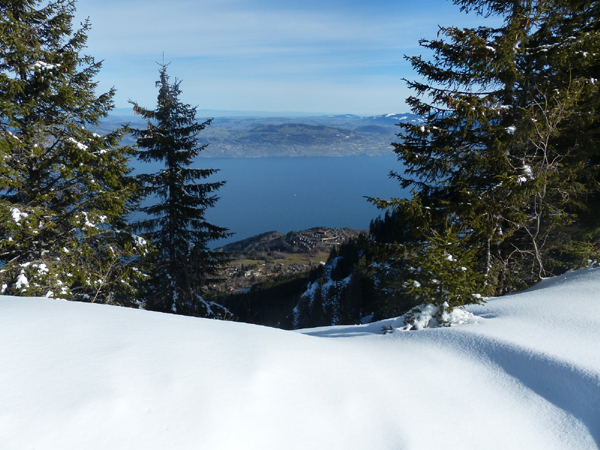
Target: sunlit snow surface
524	376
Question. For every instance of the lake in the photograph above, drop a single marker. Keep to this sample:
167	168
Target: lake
291	194
295	193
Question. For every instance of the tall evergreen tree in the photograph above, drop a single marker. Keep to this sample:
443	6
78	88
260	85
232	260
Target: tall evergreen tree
507	148
566	70
64	191
176	222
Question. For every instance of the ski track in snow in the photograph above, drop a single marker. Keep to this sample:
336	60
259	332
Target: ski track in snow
525	376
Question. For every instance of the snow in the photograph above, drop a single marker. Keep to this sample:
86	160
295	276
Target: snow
78	144
17	214
524	375
139	241
17	138
311	290
429	315
86	220
21	281
41	65
528	174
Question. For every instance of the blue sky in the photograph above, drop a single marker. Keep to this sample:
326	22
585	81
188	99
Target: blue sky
326	56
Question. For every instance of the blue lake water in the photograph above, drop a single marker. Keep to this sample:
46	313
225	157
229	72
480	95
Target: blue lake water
291	194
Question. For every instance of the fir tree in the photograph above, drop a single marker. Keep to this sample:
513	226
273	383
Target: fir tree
64	191
564	52
440	271
507	148
176	222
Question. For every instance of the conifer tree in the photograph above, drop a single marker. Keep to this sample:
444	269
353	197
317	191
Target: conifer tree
64	191
176	223
507	148
564	53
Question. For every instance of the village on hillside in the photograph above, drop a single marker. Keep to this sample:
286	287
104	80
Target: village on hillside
320	239
300	252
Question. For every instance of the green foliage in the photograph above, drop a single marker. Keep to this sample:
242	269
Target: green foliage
64	191
508	150
441	271
347	257
183	264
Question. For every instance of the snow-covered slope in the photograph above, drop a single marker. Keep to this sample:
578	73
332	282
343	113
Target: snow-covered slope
83	376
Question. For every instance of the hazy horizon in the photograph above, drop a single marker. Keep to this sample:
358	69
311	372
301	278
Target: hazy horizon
265	114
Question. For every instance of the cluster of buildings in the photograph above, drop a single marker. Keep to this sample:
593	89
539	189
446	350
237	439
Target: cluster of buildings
318	238
242	278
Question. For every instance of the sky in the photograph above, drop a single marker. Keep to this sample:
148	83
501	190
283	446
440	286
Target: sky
309	56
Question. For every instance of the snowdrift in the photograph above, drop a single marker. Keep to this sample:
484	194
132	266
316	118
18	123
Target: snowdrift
524	375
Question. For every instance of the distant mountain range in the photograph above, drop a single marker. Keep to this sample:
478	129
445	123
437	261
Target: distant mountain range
328	135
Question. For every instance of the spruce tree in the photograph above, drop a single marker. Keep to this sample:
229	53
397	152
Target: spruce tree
64	190
566	69
176	221
507	148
